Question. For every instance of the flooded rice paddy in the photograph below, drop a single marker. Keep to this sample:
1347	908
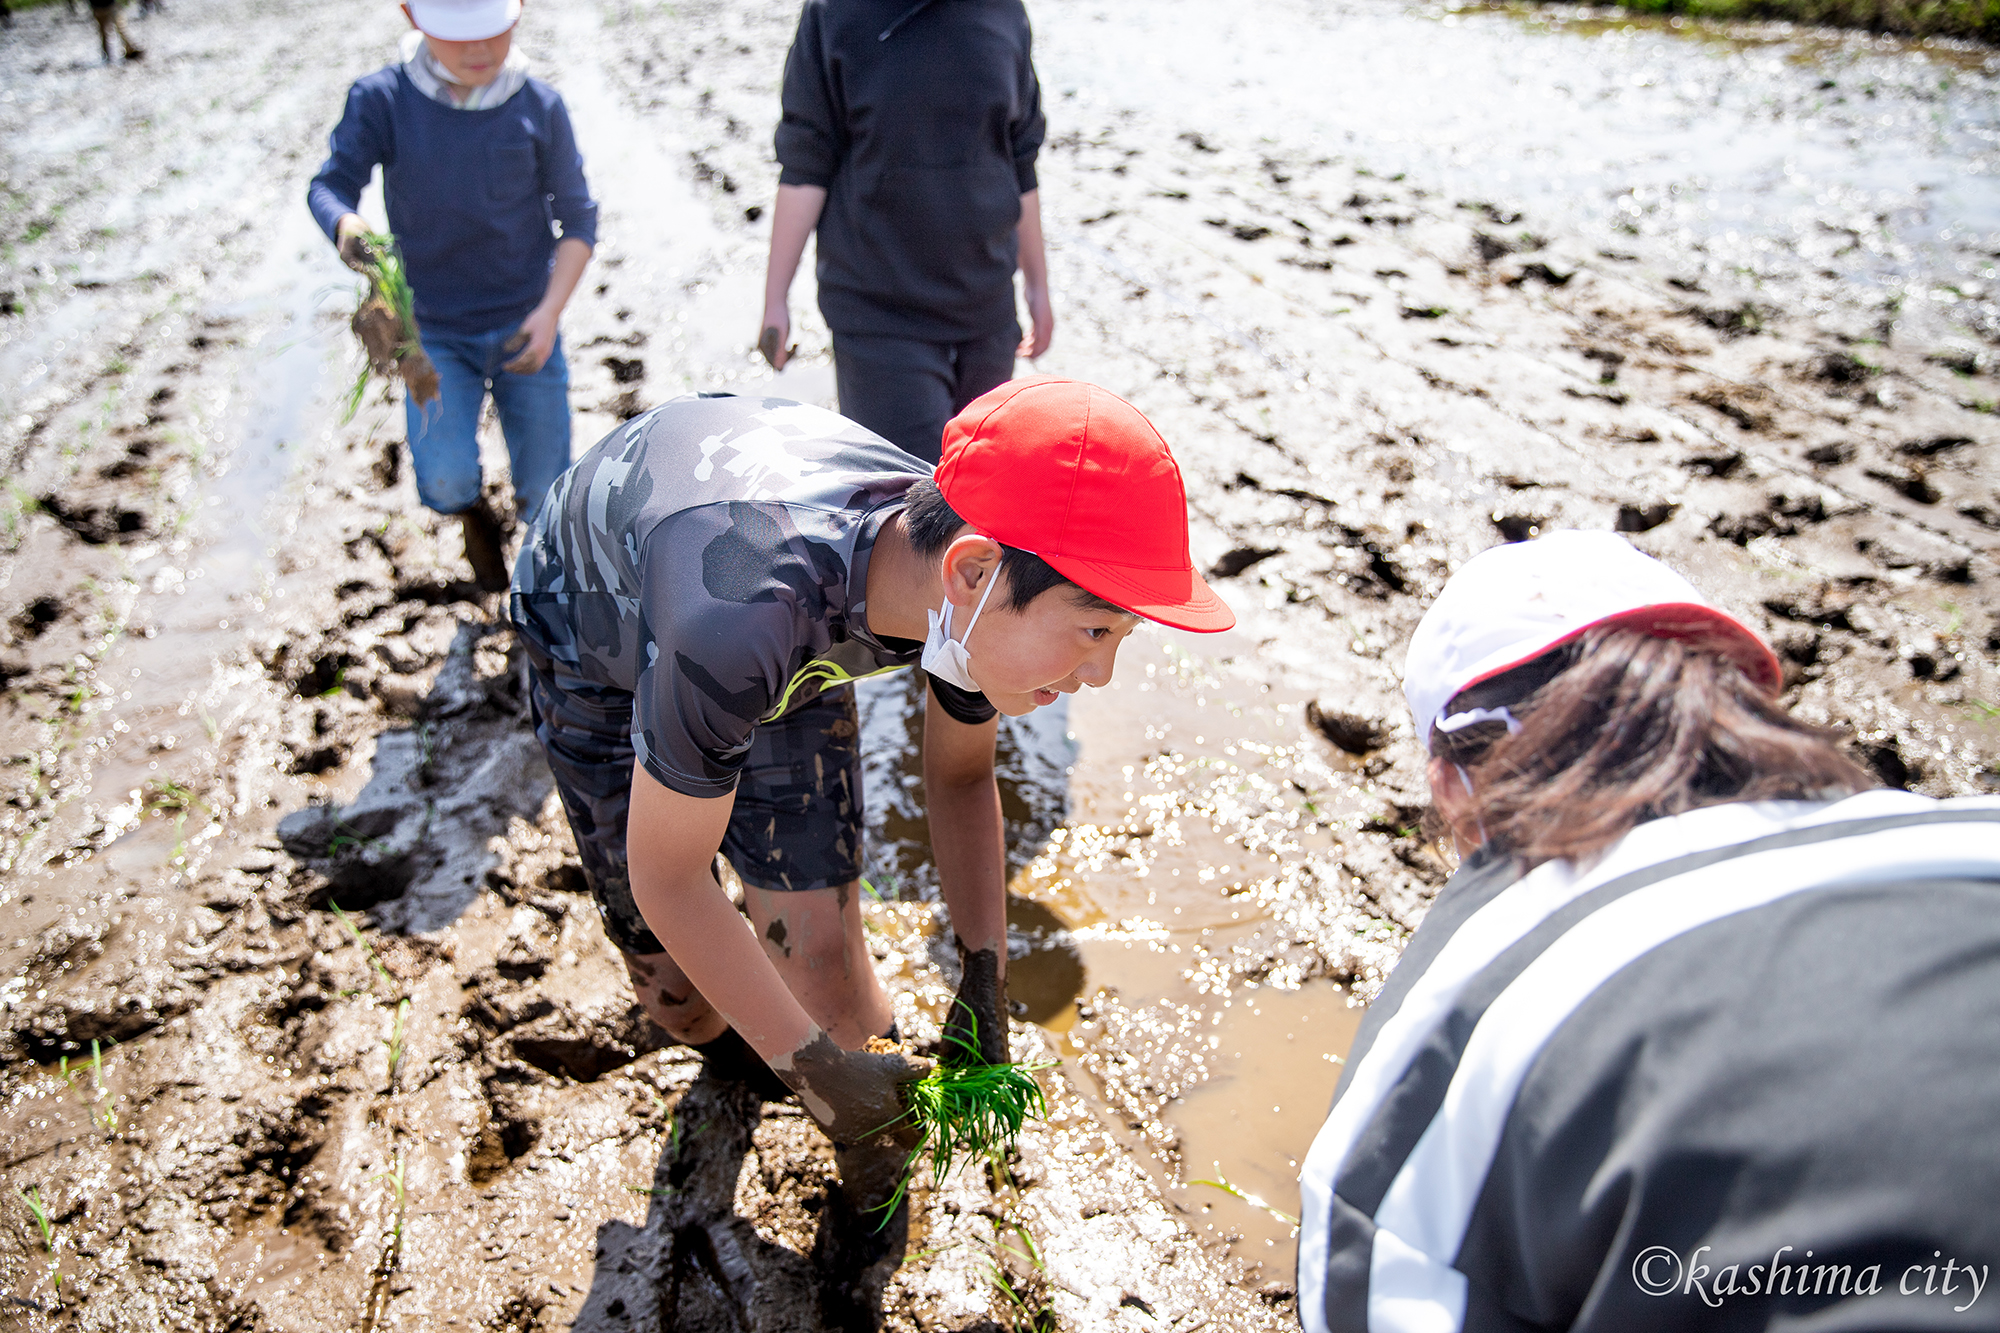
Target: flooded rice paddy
1396	282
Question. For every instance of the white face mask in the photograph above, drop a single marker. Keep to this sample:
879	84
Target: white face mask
946	657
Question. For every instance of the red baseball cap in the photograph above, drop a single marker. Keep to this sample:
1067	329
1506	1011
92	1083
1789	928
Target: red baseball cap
1078	476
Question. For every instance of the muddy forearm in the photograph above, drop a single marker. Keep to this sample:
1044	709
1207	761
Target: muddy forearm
967	840
707	937
976	1028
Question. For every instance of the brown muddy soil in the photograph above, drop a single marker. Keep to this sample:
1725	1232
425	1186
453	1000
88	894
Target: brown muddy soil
247	678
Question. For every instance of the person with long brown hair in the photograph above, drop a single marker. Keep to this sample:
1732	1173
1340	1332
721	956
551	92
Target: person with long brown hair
1704	1031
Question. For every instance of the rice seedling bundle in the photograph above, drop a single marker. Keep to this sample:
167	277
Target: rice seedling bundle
386	324
971	1110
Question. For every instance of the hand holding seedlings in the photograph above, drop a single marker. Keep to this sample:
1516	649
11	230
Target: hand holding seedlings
353	249
855	1095
970	1108
386	320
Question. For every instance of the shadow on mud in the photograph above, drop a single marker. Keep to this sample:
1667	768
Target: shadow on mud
697	1263
413	844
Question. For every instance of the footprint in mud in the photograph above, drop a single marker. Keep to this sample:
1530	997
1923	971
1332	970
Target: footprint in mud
1519	525
38	615
1720	466
95	525
1350	732
1783	515
1645	517
134	462
1234	562
698	1262
1912	483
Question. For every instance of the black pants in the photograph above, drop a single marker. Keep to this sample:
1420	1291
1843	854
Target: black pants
905	390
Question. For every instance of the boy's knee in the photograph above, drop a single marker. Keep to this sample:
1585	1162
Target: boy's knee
450	494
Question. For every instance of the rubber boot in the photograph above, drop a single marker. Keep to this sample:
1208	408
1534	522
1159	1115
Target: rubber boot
731	1058
859	1247
485	547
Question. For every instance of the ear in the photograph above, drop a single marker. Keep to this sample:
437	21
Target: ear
969	561
1454	800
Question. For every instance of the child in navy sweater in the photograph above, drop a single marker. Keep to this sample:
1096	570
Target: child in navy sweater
479	166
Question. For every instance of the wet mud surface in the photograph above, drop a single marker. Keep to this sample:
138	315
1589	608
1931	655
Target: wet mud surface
248	679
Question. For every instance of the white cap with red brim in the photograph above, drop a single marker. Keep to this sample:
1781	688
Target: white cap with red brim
1507	606
464	20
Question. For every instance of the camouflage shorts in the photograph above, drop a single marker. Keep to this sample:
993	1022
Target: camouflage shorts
797	820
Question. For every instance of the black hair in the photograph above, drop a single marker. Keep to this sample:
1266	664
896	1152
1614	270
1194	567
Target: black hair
930	524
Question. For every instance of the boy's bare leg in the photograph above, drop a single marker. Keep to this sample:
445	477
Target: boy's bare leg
816	941
671	1000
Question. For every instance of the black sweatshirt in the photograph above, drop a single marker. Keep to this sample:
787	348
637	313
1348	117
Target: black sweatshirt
1743	1073
921	119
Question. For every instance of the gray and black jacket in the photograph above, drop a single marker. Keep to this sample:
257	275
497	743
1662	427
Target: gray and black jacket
706	566
1742	1072
922	120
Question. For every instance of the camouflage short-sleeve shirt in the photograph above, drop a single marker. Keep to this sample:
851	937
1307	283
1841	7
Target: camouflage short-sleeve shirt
710	558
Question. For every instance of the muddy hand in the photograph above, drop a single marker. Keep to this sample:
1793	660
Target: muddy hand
354	252
524	364
771	344
978	1019
855	1095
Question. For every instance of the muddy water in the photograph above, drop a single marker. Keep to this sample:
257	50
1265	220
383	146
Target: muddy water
1806	167
1162	830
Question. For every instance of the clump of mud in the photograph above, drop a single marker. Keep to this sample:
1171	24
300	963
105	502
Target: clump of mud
393	349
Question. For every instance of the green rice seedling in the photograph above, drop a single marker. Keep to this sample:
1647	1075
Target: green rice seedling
397	1047
104	1115
381	1288
1221	1182
32	1196
386	276
387	324
971	1110
1028	1249
374	960
1027	1315
400	1204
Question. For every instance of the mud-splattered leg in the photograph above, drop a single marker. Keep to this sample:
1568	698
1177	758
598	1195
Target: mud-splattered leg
671	1000
856	1252
815	939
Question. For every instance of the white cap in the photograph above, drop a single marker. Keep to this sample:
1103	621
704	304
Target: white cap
464	20
1507	606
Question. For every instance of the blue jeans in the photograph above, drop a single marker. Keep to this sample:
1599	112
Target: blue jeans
444	435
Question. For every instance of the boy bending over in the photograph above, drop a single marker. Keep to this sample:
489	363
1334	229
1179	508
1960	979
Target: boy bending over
698	593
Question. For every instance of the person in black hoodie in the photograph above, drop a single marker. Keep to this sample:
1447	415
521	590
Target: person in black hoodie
908	140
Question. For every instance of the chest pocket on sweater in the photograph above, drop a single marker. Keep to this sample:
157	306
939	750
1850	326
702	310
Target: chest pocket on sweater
510	172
